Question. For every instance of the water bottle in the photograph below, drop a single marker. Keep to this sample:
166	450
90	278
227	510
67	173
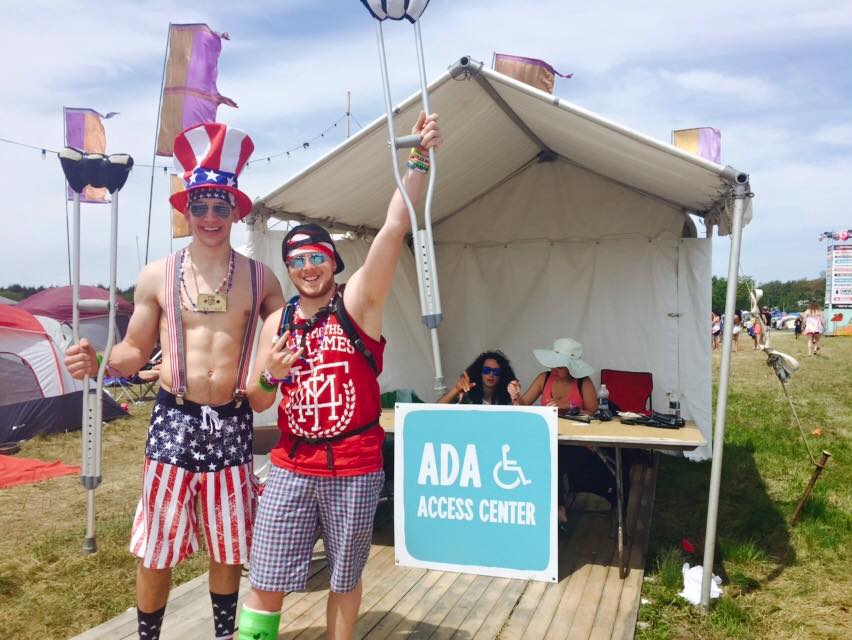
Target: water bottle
674	404
603	398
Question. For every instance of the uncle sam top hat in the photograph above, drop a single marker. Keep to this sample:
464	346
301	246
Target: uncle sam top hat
212	155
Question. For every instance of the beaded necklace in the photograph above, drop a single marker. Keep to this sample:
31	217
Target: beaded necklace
223	288
306	331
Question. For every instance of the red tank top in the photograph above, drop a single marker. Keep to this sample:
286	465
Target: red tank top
574	394
332	390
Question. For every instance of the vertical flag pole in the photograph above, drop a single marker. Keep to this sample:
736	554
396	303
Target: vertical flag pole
65	198
157	135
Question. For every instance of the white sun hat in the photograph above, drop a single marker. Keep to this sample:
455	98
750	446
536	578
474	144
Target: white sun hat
565	353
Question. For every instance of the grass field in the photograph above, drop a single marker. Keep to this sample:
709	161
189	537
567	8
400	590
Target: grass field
48	588
779	582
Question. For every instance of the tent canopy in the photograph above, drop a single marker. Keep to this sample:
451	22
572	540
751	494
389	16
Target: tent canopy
549	221
56	302
498	126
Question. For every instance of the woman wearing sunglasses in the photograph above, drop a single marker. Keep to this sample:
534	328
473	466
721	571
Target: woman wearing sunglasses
488	380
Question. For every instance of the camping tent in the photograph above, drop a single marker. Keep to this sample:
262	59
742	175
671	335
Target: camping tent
56	303
549	221
37	395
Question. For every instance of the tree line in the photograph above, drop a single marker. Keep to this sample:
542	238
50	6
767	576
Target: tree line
793	295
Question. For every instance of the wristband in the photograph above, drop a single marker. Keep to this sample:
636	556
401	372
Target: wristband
418	160
100	359
268	383
265	385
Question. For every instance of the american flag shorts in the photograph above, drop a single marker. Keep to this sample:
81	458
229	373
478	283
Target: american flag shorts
165	528
294	510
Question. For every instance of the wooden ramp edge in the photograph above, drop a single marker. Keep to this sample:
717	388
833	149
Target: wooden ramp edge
590	601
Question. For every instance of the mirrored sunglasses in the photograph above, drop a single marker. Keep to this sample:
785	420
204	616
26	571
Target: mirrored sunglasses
298	262
492	371
199	209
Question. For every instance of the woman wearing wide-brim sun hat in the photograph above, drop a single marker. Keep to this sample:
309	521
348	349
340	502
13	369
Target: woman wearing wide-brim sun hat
566	384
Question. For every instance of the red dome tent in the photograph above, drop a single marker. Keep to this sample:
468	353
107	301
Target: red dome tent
37	395
56	303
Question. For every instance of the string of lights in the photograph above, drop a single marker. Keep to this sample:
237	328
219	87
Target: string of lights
304	146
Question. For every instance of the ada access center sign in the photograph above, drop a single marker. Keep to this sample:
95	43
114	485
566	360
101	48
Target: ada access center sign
475	489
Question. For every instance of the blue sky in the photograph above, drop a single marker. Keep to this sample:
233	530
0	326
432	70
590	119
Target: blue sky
772	76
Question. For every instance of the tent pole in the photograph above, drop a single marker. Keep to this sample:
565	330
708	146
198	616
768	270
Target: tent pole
741	192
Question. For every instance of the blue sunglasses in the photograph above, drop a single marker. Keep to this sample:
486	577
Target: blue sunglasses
492	371
200	209
299	262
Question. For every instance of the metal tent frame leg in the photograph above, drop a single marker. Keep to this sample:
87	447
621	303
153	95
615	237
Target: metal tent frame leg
741	191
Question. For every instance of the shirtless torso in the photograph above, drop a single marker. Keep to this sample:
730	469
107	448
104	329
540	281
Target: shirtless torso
213	341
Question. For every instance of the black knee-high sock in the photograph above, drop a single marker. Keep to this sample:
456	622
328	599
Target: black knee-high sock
224	614
149	624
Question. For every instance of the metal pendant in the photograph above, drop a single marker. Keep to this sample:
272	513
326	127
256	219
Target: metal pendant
212	303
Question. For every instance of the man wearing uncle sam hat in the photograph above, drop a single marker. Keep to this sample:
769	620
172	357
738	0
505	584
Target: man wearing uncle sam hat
324	351
201	304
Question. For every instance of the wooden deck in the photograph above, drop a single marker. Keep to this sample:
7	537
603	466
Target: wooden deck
589	601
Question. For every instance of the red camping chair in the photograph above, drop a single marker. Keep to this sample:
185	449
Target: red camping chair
629	390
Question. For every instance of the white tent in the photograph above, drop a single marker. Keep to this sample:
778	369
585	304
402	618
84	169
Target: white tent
549	221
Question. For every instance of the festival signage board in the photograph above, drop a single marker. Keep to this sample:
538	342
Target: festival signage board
838	292
475	489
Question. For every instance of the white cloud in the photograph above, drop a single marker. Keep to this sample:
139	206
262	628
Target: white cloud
751	89
835	135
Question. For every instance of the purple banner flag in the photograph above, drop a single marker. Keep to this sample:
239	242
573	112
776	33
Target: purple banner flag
532	71
705	142
85	131
190	96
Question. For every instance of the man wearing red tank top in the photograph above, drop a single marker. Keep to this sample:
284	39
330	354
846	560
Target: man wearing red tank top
326	470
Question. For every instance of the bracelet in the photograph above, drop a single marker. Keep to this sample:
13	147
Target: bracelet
418	160
265	385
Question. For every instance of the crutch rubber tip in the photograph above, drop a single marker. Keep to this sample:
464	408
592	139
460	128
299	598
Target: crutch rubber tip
90	546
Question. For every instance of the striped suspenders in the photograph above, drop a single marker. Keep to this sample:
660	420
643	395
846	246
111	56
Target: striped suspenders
174	321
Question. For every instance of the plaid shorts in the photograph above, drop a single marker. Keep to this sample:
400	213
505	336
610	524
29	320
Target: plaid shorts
295	510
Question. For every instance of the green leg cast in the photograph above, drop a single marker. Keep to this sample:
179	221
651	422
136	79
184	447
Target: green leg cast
258	625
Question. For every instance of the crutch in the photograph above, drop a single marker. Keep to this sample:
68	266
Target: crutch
98	171
424	247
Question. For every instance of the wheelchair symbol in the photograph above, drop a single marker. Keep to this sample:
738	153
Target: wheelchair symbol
509	466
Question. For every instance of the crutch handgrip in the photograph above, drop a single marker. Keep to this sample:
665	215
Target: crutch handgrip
407	142
93	305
